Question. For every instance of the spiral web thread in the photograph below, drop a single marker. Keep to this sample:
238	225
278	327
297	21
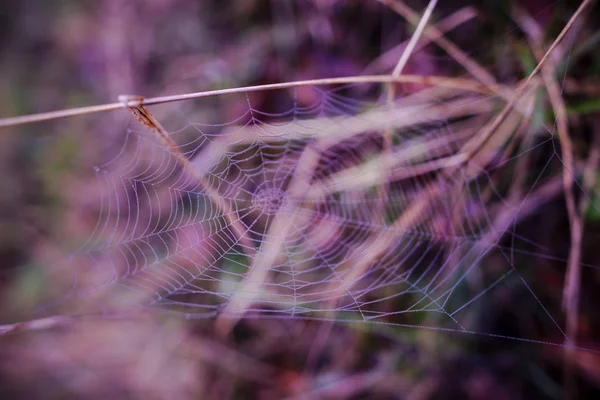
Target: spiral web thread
279	213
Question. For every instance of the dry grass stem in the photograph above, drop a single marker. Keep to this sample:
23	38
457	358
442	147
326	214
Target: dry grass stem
457	83
454	51
145	117
387	60
571	290
414	39
391	95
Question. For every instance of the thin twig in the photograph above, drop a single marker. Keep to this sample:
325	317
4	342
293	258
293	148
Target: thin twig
388	59
414	39
36	324
457	83
135	105
454	51
571	290
391	95
57	321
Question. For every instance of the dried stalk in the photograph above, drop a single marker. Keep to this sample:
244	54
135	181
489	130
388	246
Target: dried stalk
135	105
436	36
388	59
457	83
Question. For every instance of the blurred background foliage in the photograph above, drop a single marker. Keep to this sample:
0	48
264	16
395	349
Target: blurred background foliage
57	54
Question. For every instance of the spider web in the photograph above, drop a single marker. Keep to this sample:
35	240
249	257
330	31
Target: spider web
295	208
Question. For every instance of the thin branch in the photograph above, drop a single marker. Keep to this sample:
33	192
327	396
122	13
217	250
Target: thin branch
135	105
572	287
414	39
391	95
388	59
57	321
46	116
437	36
36	324
559	38
457	83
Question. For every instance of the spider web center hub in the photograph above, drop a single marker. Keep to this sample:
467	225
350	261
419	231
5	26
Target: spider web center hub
270	200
